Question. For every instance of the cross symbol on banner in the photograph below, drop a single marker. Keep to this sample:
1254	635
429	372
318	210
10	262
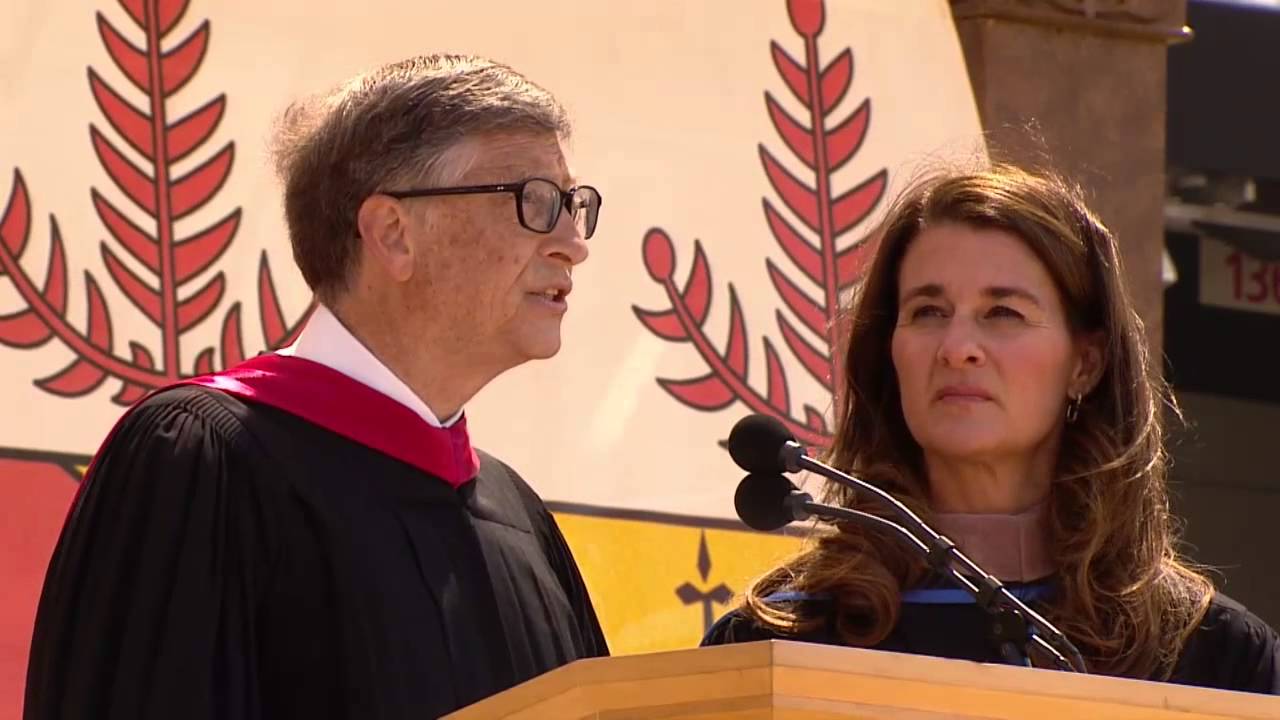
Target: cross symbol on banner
689	593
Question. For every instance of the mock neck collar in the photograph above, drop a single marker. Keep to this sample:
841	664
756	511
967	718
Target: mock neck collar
1012	547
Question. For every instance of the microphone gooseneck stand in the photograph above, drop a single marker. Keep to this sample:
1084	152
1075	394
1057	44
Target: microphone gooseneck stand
1016	625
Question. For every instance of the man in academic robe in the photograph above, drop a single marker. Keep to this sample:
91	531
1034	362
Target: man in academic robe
311	534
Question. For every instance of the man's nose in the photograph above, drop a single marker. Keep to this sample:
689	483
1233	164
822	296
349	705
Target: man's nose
567	241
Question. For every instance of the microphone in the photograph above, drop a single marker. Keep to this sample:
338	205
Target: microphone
763	446
769	502
759	443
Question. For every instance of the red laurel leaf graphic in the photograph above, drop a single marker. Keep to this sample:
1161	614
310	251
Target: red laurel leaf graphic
819	209
826	215
94	359
141	355
82	376
131	60
274	330
197	187
814	419
708	392
170	12
805	308
665	325
697	292
797	248
137	11
180	64
291	336
846	138
55	279
735	354
659	260
23	329
26	329
130	122
159	72
852	207
798	137
659	255
728	369
15	223
779	398
807	16
205	247
128	177
813	360
192	130
143	297
799	197
232	348
197	307
129	392
204	362
793	73
853	260
134	239
836	79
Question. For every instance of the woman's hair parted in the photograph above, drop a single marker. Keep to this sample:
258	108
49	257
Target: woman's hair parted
393	125
1127	599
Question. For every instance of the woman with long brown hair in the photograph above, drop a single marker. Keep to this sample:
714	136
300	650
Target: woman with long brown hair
998	382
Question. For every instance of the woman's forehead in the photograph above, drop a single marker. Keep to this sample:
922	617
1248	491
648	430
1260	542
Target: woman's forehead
957	257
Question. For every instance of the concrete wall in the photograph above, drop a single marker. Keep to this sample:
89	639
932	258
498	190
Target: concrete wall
1226	483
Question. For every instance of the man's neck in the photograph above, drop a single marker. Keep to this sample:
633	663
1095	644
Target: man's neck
440	377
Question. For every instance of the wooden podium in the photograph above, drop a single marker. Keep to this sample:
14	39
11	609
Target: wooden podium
804	681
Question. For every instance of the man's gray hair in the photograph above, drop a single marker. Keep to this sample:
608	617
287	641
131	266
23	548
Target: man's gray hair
390	127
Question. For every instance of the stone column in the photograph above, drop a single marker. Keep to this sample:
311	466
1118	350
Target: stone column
1088	77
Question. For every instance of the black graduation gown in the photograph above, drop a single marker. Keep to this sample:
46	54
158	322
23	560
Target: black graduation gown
229	559
1231	650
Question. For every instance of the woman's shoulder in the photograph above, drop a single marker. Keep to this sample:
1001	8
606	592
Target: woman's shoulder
1231	649
739	626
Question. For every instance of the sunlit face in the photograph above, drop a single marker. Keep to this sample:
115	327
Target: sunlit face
483	282
984	355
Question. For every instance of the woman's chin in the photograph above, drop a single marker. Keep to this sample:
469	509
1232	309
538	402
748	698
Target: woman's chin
966	446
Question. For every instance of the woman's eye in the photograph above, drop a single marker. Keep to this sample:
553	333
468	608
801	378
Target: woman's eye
1004	311
927	311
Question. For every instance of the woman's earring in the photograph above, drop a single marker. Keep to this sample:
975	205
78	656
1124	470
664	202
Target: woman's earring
1073	407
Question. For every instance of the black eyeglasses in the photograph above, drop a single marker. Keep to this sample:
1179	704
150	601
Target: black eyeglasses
538	202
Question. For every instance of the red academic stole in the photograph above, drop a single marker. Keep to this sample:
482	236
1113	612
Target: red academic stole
325	397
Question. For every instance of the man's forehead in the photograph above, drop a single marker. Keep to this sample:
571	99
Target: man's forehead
517	157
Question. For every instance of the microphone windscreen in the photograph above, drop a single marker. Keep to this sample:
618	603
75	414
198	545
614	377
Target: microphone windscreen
756	442
761	501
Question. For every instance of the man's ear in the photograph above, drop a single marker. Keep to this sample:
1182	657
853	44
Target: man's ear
383	224
1091	361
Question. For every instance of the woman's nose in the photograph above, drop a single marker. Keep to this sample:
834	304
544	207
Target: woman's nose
960	346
